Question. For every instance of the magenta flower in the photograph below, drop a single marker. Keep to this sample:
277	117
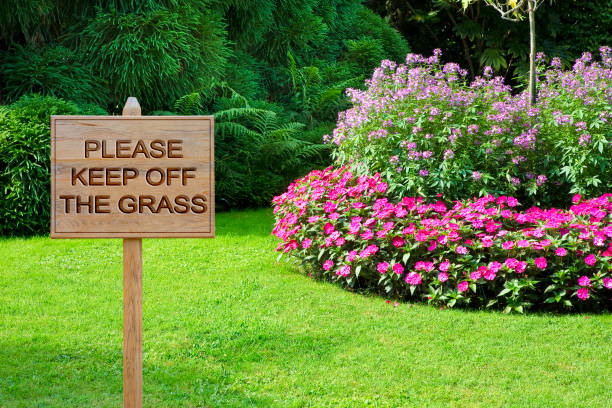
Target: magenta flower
584	281
328	228
398	269
462	250
344	271
443	277
413	278
381	187
512	202
327	265
351	256
444	265
495	266
607	282
382	267
397	242
475	275
507	245
520	267
522	243
511	263
489	275
541	262
463	286
590	260
306	243
561	252
583	293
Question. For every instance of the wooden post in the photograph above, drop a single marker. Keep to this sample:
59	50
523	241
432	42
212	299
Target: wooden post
132	306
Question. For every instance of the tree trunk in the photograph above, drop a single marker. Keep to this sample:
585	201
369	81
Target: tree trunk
532	53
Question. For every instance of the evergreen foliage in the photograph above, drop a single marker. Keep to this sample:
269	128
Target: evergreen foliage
24	161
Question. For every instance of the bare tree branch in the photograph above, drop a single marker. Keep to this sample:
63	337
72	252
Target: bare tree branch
505	11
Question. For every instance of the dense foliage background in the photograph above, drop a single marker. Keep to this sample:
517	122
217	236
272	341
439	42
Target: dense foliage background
273	72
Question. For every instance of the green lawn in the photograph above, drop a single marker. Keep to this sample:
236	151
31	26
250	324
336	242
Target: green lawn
225	326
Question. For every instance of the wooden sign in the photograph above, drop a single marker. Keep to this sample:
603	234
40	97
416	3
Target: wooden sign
132	176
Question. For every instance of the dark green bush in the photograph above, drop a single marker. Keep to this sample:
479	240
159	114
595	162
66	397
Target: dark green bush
24	161
156	55
55	71
257	152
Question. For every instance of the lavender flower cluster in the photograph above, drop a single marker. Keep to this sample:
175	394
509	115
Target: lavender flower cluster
428	130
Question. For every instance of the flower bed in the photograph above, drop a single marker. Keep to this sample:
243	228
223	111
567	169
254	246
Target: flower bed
482	252
428	130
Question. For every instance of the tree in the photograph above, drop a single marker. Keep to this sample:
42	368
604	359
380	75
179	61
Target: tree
514	10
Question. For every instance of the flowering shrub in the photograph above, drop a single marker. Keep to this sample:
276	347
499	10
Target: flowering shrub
428	131
480	252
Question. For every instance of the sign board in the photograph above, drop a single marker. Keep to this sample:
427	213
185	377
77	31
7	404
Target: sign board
132	176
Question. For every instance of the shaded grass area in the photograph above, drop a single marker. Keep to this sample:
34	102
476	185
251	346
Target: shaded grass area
226	326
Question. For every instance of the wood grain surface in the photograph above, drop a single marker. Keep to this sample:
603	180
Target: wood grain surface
110	175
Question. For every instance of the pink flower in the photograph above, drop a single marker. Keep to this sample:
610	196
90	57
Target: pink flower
462	250
511	263
398	268
487	242
463	286
584	281
495	266
576	198
340	241
607	282
443	277
328	228
381	187
367	234
442	239
489	274
475	275
352	255
520	267
583	293
512	202
432	246
313	219
590	260
428	266
306	243
541	262
327	265
560	252
344	271
397	242
508	245
382	267
413	278
522	243
444	265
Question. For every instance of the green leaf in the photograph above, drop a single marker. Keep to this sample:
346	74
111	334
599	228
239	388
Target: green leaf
503	292
357	270
406	257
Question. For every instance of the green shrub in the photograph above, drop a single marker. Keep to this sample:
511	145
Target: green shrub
156	55
25	160
54	71
257	152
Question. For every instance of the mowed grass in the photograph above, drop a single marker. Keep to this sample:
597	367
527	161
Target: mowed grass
226	326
